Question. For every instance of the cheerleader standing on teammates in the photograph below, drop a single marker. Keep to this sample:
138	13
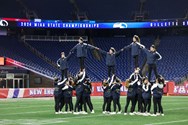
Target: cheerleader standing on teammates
79	92
116	95
135	49
107	95
81	50
152	57
57	94
146	96
111	59
157	90
63	64
86	95
131	94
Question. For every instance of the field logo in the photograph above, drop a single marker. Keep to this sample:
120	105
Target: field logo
3	23
120	25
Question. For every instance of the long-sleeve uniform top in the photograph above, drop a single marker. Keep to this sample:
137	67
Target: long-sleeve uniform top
81	49
152	57
63	62
110	58
58	87
135	48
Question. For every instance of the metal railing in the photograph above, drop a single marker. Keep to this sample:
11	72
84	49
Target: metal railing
52	38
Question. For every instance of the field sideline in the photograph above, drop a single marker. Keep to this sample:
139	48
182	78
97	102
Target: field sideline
41	112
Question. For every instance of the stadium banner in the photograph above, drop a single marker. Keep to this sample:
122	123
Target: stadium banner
98	91
12	62
170	89
181	89
89	24
26	92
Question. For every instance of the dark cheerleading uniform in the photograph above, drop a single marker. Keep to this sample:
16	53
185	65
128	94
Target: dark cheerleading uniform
79	92
63	64
135	51
157	90
110	61
147	97
116	95
138	97
68	98
58	95
86	98
81	52
107	95
152	58
131	95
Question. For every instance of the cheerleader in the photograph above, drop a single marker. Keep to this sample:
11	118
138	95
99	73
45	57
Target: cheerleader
135	49
131	93
111	59
79	92
115	88
146	96
152	57
81	50
58	94
86	95
62	63
138	97
106	85
157	90
68	96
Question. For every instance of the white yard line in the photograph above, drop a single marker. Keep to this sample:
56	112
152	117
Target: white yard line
176	109
169	122
24	107
60	120
22	113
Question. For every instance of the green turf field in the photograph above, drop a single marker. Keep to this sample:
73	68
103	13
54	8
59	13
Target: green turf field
41	112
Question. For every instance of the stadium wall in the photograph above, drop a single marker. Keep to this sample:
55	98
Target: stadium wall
170	89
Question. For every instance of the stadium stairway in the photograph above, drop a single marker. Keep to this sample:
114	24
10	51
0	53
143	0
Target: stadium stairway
12	48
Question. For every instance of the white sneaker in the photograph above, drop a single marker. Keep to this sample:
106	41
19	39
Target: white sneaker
138	113
158	114
104	112
119	112
149	114
153	115
131	113
145	114
92	112
113	113
60	112
84	113
76	113
162	114
64	113
135	113
69	112
107	112
125	113
56	113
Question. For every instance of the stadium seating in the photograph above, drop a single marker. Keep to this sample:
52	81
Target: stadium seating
114	10
172	66
11	8
166	9
97	69
12	48
48	9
